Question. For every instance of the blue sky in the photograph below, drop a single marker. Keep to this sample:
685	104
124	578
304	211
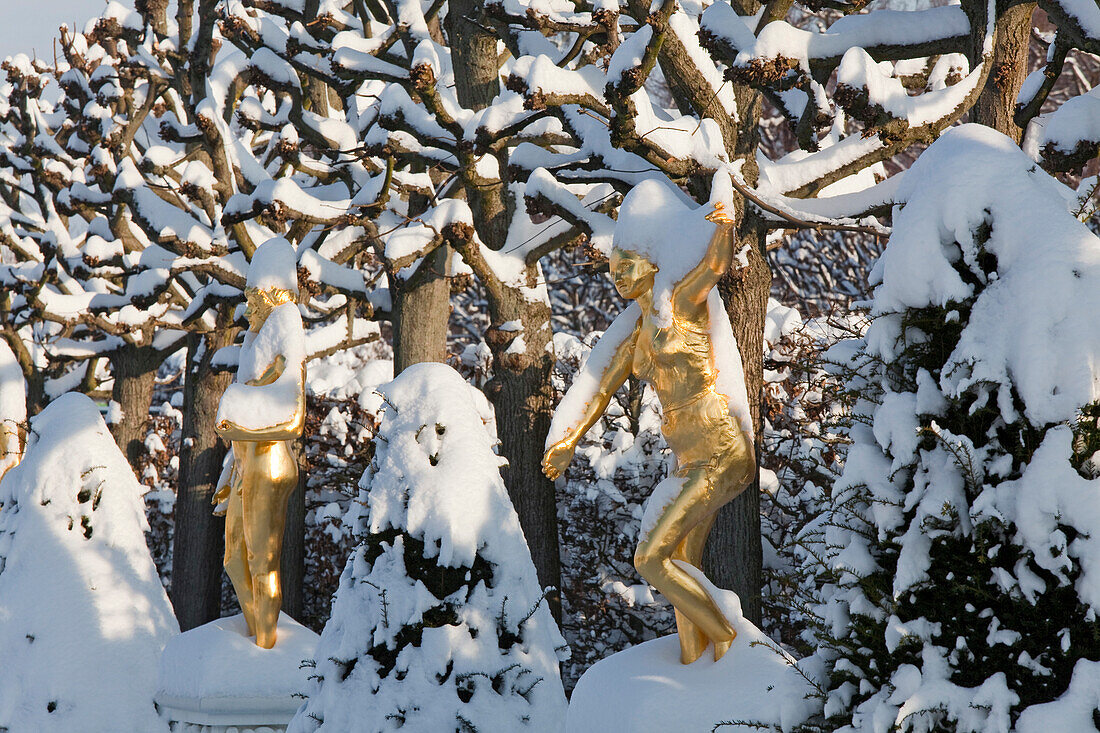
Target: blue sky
31	25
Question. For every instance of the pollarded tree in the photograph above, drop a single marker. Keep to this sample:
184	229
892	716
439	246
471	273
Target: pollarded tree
439	622
83	615
115	187
596	97
958	549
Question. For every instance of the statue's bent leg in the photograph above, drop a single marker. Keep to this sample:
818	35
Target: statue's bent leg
693	641
693	508
265	519
236	557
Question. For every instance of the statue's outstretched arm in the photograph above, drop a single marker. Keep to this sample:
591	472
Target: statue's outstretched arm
606	370
696	285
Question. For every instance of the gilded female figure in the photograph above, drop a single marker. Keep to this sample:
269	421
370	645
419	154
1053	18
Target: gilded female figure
262	412
676	337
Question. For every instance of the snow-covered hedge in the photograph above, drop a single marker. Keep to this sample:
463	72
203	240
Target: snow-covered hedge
439	623
959	551
83	616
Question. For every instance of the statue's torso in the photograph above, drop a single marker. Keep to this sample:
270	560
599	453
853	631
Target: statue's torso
677	360
679	364
267	465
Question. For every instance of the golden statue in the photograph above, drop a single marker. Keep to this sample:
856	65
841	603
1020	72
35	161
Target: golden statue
261	413
671	345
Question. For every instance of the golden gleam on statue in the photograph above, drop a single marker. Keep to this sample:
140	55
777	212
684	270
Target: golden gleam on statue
262	412
676	337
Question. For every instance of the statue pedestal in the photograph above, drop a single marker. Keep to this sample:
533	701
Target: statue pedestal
645	689
214	679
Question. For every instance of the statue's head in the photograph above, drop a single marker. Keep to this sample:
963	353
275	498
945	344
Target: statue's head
632	273
272	280
261	301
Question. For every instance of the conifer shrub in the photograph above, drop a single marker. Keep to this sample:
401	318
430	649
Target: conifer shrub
958	555
438	623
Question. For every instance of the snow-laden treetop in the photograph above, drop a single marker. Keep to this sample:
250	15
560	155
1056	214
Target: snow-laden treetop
1034	327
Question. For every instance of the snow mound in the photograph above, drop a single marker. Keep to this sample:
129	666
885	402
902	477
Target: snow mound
274	265
645	689
13	407
83	616
260	406
218	667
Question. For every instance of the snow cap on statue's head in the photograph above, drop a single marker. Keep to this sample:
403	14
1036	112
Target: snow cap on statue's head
660	223
274	265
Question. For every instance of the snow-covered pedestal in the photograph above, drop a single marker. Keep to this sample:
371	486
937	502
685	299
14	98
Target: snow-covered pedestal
645	689
214	679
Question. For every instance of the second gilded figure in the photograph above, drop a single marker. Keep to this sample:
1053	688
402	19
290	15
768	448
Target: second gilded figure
667	258
262	412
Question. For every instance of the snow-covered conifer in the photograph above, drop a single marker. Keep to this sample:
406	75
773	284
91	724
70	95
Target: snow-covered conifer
961	555
439	623
83	616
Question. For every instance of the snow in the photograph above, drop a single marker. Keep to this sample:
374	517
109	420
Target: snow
257	407
428	391
1085	13
274	265
649	212
880	28
219	665
260	407
645	689
83	615
487	651
1075	122
1048	265
1049	496
1074	711
859	71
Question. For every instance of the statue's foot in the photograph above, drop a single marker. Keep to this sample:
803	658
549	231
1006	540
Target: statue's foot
265	639
693	642
721	647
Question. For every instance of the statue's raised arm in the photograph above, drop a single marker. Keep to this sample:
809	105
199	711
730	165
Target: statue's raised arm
668	255
261	413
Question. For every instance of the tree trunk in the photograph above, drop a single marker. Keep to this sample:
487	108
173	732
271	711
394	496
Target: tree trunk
520	390
292	567
154	13
997	102
135	375
734	556
199	535
421	313
523	397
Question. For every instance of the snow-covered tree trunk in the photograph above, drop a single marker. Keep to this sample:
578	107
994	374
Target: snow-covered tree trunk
996	105
420	314
520	389
733	555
